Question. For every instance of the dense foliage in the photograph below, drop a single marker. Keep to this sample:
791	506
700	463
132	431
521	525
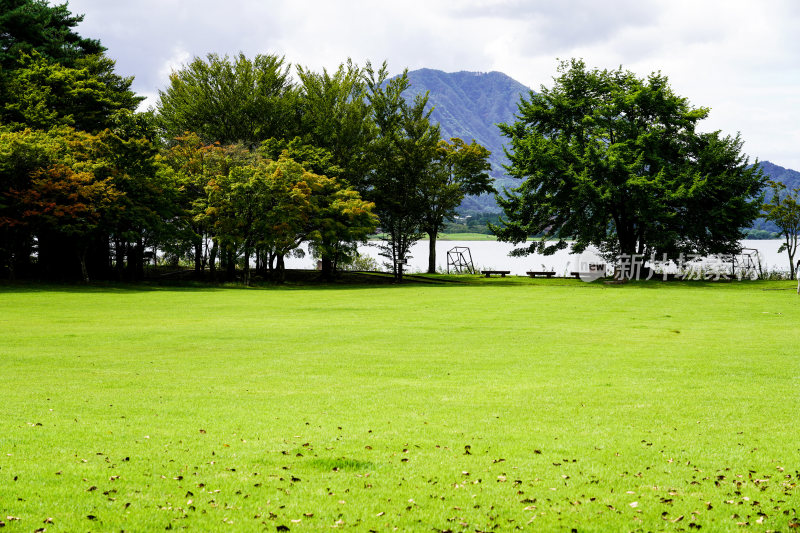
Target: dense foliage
615	161
238	164
783	210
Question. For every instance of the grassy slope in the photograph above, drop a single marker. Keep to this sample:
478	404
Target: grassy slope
587	406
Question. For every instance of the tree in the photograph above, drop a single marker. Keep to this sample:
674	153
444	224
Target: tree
22	153
612	160
461	169
336	116
192	166
74	205
43	94
343	218
404	152
34	25
784	210
230	100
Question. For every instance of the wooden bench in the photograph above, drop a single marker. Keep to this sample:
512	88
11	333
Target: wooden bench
534	274
502	273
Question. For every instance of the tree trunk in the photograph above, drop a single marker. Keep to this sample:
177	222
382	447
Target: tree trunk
327	268
230	265
212	260
138	271
82	258
198	258
280	268
246	265
790	250
432	250
12	273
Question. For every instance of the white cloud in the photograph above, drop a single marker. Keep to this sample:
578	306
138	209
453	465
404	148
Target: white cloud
737	57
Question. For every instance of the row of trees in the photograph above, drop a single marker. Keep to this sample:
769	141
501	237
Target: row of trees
237	163
240	162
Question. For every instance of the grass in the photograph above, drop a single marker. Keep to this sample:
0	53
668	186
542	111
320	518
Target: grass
494	405
454	237
466	237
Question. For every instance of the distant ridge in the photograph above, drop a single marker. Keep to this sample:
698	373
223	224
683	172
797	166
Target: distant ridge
469	105
787	176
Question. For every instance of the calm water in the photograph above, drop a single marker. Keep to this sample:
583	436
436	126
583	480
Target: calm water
493	255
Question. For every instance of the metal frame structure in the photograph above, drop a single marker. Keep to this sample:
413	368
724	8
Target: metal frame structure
748	260
460	258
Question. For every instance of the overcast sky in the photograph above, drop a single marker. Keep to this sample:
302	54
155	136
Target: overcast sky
740	58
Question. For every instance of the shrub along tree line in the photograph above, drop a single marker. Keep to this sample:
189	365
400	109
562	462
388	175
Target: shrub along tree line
238	164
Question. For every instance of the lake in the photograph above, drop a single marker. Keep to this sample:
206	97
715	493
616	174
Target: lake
493	255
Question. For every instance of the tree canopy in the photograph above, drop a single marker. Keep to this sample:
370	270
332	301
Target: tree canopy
616	161
459	169
404	150
784	210
35	25
230	100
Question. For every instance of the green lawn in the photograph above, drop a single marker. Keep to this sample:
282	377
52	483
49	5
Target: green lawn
458	237
503	404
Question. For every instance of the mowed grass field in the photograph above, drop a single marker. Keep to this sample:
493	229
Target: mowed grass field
544	405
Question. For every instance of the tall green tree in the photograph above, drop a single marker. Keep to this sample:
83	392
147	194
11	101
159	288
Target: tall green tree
49	74
460	169
784	210
230	100
615	161
69	129
43	94
404	154
336	116
35	25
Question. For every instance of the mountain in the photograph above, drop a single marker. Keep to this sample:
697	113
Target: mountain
469	105
787	176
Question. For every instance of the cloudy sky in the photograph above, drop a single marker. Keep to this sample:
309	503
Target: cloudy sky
741	58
